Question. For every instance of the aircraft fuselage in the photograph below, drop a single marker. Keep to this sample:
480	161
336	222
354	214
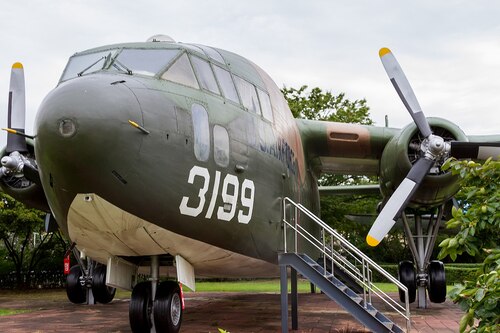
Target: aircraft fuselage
201	166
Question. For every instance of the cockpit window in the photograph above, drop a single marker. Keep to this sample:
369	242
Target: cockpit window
205	75
85	64
226	84
265	105
248	95
181	72
212	53
145	62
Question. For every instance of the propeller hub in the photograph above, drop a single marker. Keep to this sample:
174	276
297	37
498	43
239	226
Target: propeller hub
434	147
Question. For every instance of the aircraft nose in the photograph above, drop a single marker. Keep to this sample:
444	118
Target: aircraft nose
83	124
89	104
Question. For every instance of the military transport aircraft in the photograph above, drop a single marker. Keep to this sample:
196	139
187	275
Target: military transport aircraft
161	154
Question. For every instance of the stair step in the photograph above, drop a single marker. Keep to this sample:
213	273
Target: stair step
350	292
388	324
357	299
343	287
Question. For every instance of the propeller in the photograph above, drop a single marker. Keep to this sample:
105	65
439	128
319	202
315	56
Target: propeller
16	110
475	150
404	90
434	149
16	163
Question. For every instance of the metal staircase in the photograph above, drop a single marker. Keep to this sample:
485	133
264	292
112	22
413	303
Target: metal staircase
339	258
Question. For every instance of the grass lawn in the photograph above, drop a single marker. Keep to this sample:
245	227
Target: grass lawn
8	312
249	286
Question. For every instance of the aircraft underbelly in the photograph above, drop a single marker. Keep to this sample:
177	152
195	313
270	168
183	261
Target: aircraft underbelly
101	230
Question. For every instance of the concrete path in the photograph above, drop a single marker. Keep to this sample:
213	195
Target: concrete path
206	312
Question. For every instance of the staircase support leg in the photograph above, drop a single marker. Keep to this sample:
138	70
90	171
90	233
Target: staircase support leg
284	299
293	278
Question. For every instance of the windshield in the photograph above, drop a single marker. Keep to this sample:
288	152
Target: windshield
145	62
84	64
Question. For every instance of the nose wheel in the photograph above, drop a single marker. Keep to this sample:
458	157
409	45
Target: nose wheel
165	311
168	307
141	307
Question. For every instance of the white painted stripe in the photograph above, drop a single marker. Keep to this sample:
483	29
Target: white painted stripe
386	218
486	152
395	72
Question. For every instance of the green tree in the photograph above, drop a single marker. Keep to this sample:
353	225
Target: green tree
316	104
26	244
478	218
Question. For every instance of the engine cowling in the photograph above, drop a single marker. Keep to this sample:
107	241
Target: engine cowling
405	149
14	183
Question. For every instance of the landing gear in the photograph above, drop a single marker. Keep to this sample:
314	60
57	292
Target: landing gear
102	293
75	291
406	274
155	305
429	275
168	307
87	283
165	311
437	282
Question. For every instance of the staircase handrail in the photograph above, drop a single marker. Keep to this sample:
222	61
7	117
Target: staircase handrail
364	277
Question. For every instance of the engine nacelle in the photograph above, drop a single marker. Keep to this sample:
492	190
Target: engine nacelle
14	183
405	149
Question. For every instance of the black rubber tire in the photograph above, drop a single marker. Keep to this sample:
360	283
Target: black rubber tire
168	307
102	293
141	306
437	282
76	293
406	275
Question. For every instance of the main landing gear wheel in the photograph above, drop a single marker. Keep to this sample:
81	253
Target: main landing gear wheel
437	282
168	307
76	293
406	274
140	309
102	293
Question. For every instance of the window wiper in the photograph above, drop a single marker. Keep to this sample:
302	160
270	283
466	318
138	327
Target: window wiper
86	69
123	67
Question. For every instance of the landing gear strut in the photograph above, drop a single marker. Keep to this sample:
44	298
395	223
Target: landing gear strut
430	275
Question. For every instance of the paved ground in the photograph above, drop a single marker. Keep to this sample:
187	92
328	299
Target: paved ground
206	312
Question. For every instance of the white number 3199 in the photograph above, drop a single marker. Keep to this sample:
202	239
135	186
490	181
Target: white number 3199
230	193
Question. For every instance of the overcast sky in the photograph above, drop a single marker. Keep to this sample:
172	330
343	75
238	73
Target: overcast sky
449	50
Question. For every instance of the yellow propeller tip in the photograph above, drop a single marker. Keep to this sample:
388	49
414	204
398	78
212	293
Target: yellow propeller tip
133	123
371	241
17	65
383	51
10	130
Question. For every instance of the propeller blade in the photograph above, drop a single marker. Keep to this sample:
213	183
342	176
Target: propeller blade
31	173
16	111
404	90
475	150
398	201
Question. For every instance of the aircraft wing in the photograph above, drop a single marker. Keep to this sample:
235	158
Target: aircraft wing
349	190
340	148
